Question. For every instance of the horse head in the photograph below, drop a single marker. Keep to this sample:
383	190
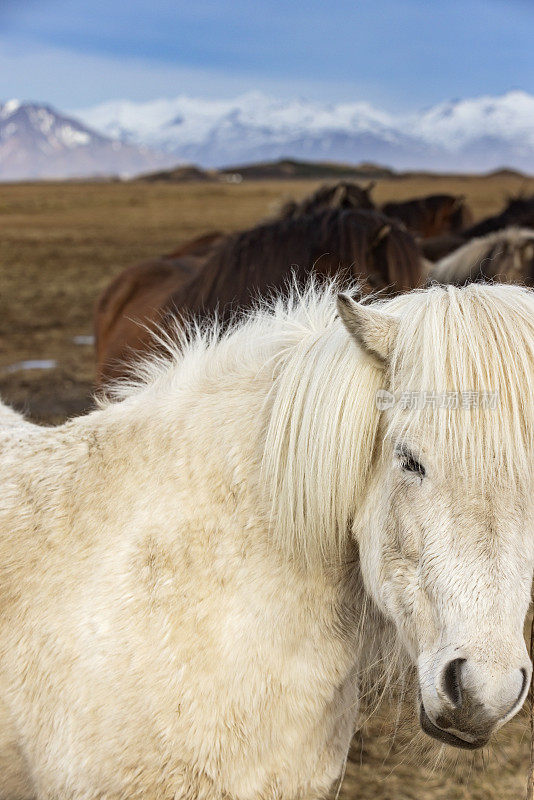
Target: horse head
446	533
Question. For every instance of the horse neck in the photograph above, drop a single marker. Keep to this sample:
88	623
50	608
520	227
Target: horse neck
198	418
281	413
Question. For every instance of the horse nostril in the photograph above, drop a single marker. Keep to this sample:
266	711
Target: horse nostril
524	682
451	681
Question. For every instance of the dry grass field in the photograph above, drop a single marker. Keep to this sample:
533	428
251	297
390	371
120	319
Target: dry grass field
60	244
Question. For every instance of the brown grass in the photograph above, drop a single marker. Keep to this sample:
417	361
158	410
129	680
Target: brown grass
61	244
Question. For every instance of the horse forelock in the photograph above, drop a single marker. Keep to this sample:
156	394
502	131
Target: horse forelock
475	344
466	358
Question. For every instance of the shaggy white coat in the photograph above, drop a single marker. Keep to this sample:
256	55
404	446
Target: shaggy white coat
181	607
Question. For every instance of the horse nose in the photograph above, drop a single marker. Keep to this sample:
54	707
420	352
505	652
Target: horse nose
451	682
463	685
469	699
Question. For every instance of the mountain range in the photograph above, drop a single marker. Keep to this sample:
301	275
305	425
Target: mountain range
125	138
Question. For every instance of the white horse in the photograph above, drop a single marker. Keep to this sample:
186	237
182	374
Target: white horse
506	255
183	572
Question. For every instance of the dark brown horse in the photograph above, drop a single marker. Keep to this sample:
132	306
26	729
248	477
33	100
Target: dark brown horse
518	212
363	245
343	194
432	215
436	247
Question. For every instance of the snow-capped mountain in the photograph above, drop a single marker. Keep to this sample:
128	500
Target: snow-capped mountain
473	134
126	138
256	127
462	123
37	141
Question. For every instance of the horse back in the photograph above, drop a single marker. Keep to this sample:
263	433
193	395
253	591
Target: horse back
129	310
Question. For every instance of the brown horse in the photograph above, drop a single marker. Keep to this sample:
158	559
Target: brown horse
344	194
518	212
436	247
362	245
432	215
136	295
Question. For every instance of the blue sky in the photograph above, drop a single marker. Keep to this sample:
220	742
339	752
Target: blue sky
397	54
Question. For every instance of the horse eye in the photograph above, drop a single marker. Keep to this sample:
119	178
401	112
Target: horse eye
411	465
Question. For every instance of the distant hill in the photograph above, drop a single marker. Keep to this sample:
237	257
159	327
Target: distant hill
504	172
186	174
292	169
282	169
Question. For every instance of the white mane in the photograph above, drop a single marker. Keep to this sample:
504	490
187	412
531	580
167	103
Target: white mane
321	416
487	253
321	433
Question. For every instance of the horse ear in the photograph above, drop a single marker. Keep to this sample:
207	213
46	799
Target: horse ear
339	195
374	331
370	186
381	233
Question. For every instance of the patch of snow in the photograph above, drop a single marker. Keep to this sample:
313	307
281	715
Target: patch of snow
9	130
72	137
45	363
84	339
169	124
455	125
42	119
10	107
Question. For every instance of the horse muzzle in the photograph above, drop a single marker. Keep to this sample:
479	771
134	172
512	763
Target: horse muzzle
468	700
465	741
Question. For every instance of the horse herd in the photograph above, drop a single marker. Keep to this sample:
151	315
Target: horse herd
199	577
336	231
